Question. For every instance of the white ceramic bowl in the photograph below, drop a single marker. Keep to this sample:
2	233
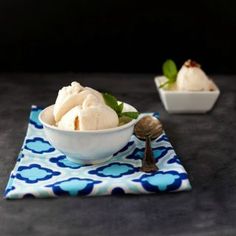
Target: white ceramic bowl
176	101
87	147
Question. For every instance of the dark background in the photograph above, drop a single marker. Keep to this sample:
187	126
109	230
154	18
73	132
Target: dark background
116	35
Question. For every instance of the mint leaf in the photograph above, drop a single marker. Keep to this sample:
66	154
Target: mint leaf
124	117
111	101
169	70
120	108
131	114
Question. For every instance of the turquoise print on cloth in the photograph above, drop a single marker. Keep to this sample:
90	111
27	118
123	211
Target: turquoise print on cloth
41	171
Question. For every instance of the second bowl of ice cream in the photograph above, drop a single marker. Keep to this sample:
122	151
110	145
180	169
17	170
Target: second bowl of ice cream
191	92
84	128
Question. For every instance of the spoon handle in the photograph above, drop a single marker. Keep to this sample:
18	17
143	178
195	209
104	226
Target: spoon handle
148	162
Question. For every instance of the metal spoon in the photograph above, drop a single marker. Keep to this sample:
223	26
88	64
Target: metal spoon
148	128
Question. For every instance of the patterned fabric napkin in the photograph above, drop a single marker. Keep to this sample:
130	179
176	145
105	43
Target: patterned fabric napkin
41	171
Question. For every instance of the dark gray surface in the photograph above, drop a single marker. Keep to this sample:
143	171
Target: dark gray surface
206	144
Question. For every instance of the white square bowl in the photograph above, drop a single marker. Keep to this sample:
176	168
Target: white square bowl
176	101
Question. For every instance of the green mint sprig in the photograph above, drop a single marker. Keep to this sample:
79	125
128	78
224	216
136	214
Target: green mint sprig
124	117
170	71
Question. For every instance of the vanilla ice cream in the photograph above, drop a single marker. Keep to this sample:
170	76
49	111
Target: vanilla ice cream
192	78
83	108
71	96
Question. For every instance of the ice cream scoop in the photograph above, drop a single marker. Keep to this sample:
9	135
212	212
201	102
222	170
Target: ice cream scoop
192	78
70	121
71	96
92	118
97	118
92	114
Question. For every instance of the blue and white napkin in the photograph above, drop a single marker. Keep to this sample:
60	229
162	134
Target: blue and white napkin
41	171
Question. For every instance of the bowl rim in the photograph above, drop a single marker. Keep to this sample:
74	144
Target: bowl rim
157	82
118	128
